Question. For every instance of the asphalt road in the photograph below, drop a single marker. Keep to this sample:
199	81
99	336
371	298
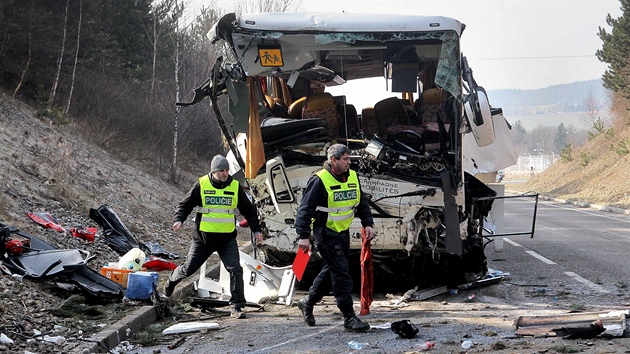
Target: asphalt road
577	258
571	246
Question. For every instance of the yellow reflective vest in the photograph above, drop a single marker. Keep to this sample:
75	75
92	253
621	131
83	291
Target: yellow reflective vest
343	197
217	210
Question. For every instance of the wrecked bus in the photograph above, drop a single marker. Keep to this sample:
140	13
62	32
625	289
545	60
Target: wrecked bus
416	149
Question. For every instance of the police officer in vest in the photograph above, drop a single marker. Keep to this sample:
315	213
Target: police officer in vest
215	196
331	200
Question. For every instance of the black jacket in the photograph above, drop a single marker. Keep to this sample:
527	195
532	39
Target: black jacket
315	195
193	199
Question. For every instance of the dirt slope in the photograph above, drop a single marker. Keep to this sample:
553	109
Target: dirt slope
46	168
595	174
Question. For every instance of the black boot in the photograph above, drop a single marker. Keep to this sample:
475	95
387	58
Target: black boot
354	324
307	311
169	287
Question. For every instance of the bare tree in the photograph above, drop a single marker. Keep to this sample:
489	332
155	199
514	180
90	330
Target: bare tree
53	91
173	172
577	137
157	31
76	59
592	110
30	52
542	138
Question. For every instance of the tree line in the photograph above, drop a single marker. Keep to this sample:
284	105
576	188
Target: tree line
114	70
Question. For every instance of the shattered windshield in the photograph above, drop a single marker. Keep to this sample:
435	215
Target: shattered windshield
353	55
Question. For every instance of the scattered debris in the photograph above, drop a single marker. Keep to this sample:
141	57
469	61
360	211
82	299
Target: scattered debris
46	220
4	339
470	298
263	283
87	234
158	264
44	260
140	285
176	343
187	327
591	330
118	236
211	303
613	322
405	329
132	260
387	325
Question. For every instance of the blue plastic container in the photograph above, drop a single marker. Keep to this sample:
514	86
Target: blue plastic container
140	285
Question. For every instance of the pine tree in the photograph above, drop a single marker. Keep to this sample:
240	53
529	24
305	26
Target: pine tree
616	51
562	138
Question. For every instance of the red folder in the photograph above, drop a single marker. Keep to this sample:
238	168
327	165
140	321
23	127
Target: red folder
300	262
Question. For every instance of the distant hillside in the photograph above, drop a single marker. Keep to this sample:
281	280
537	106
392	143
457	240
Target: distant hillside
594	174
564	98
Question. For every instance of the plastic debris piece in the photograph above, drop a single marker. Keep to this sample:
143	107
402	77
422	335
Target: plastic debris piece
405	329
158	264
354	345
467	344
4	339
190	327
54	339
87	234
132	260
425	346
387	325
46	220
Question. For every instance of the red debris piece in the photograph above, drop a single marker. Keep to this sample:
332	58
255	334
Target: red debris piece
88	233
46	220
13	247
158	264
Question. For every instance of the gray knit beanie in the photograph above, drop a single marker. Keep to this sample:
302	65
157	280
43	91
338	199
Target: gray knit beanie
219	163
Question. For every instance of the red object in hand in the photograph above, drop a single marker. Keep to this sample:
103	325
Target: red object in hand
367	275
300	262
243	223
158	264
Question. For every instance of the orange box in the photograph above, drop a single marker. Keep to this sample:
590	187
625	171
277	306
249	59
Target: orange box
120	276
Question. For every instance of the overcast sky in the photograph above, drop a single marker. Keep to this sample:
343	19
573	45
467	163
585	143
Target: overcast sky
522	44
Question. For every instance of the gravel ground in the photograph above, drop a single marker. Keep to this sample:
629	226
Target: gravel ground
46	168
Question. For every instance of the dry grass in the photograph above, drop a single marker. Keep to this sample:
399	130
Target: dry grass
596	174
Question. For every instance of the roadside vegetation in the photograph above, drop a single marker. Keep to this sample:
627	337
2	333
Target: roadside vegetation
113	70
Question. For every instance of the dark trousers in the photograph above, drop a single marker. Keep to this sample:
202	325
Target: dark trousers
334	248
203	246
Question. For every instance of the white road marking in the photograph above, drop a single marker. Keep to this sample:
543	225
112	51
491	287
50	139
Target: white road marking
300	338
551	204
587	282
537	256
511	242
